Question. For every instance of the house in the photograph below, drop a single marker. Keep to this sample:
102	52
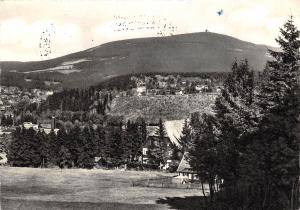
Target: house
3	158
48	125
172	133
28	125
49	93
162	84
152	139
6	131
2	108
218	89
179	92
201	88
184	170
141	90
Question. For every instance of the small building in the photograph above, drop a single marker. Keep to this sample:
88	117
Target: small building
179	92
28	125
201	88
185	171
152	139
141	90
3	158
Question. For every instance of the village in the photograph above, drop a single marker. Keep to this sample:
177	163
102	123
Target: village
12	98
187	105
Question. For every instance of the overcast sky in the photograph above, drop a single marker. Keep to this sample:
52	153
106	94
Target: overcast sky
39	30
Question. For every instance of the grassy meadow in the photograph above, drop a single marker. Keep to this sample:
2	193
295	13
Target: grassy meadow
29	188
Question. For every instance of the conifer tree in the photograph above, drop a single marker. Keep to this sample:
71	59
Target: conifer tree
87	152
143	130
16	148
54	146
186	137
128	142
235	117
203	155
100	141
64	157
136	141
275	140
61	141
116	146
75	143
159	148
26	148
43	143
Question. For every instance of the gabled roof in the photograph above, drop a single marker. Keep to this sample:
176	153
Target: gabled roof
174	130
151	130
184	165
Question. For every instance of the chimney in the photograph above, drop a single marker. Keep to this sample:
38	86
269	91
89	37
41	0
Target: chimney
53	123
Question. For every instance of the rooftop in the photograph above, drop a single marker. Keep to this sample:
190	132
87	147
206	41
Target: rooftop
184	165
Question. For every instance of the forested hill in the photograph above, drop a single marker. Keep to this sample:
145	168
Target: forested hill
197	52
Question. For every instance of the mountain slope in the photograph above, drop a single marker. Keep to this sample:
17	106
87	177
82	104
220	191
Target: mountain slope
197	52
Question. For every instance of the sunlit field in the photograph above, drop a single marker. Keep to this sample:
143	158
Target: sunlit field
28	188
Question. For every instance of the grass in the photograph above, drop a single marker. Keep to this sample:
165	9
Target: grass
28	188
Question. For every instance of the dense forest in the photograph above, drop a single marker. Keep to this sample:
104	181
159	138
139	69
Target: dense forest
77	146
248	150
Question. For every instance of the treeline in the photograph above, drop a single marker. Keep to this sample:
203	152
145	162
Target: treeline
18	80
248	150
77	146
7	120
78	100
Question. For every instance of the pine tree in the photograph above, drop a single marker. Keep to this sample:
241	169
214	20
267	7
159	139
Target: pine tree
87	153
128	142
143	130
33	151
275	140
235	116
54	146
16	148
186	137
3	120
115	147
74	144
159	148
100	141
43	143
65	157
136	141
24	149
203	155
60	139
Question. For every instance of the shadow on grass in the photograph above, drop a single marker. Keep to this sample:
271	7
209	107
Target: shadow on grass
185	203
8	204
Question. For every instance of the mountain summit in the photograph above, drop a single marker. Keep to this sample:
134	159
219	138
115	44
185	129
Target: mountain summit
196	52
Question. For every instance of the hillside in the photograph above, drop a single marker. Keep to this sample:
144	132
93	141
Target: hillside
197	52
171	107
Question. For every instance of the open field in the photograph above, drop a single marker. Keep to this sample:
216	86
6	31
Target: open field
28	188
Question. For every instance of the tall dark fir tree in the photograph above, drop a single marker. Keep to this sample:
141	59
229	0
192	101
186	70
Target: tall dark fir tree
234	113
276	143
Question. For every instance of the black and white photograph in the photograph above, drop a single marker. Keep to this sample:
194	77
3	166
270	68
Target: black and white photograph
149	104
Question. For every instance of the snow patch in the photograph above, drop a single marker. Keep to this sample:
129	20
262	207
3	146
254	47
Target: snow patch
238	50
74	61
